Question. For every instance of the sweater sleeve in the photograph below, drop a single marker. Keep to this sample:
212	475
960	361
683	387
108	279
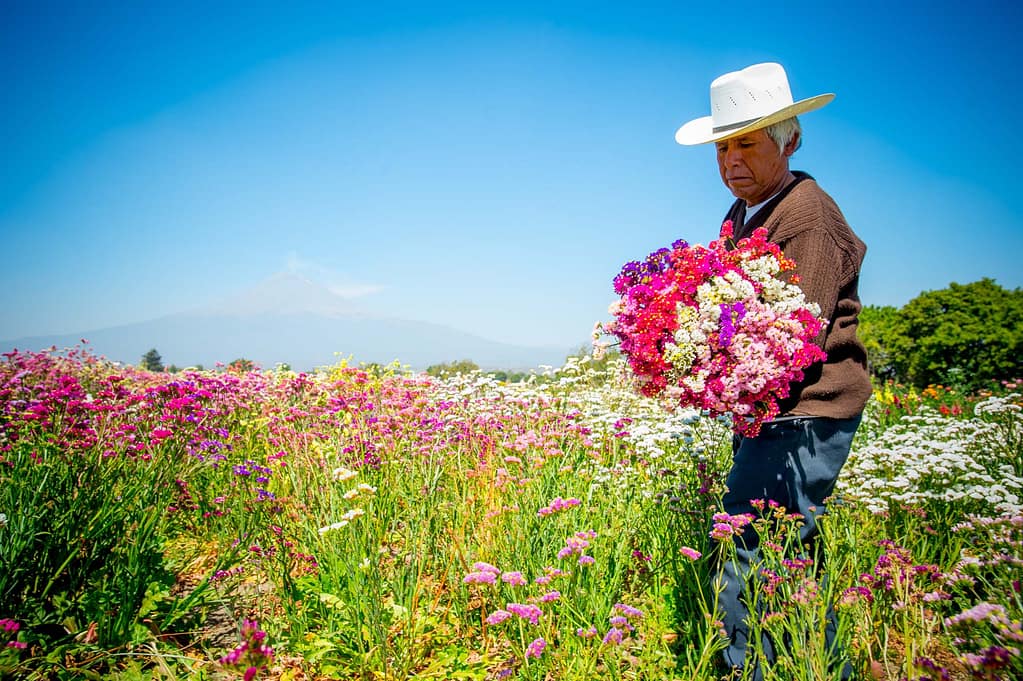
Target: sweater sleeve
822	267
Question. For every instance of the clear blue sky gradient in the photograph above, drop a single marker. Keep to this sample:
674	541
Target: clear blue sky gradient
481	166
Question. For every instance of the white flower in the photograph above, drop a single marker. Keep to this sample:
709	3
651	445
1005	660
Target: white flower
329	528
342	474
352	515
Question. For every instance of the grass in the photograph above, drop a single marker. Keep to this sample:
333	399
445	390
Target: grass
382	525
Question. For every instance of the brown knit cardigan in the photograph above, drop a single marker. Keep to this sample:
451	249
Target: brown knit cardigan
811	230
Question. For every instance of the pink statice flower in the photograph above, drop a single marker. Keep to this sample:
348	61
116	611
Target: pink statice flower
726	526
497	617
535	648
550	574
691	554
253	654
513	578
526	611
480	577
480	566
557	504
577	543
9	628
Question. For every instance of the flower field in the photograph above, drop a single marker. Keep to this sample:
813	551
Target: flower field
378	524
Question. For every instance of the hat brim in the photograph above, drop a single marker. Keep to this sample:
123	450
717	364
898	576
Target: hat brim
701	130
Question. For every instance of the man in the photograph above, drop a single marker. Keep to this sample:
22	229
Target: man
796	459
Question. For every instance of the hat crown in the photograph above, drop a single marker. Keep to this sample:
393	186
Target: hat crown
747	100
743	96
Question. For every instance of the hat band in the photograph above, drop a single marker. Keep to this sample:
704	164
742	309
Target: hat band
733	126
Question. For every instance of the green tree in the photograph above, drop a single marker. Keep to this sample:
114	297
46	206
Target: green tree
462	366
965	335
241	366
151	361
875	330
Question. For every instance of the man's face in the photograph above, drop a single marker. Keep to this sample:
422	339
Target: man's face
752	167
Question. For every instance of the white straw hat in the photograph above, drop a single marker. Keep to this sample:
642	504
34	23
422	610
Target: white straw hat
747	100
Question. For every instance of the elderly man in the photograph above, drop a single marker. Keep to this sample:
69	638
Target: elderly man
796	459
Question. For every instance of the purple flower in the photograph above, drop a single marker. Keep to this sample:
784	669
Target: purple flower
613	637
628	611
731	316
620	622
535	649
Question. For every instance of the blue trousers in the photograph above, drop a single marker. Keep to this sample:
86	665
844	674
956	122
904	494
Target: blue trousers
794	462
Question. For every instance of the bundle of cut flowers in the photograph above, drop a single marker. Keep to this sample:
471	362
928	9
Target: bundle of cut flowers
716	329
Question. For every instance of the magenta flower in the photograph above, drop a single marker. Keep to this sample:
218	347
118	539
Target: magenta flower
480	578
526	611
536	648
253	654
557	504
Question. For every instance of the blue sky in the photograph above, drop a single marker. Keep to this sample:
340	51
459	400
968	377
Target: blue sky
489	167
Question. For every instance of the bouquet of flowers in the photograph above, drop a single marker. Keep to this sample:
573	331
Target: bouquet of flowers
716	329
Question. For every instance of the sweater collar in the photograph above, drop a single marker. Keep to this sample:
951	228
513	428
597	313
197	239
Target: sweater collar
738	212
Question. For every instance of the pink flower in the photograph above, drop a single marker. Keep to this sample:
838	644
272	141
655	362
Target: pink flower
480	578
480	566
535	649
557	504
526	611
513	578
498	616
691	554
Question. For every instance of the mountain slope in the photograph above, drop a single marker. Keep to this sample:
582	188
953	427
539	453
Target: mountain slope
287	319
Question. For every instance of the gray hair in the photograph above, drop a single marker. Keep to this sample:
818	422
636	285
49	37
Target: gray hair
783	131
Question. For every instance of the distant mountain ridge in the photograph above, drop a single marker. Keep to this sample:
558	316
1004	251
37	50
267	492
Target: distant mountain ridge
289	319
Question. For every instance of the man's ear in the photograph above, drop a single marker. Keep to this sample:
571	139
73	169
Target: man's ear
793	144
